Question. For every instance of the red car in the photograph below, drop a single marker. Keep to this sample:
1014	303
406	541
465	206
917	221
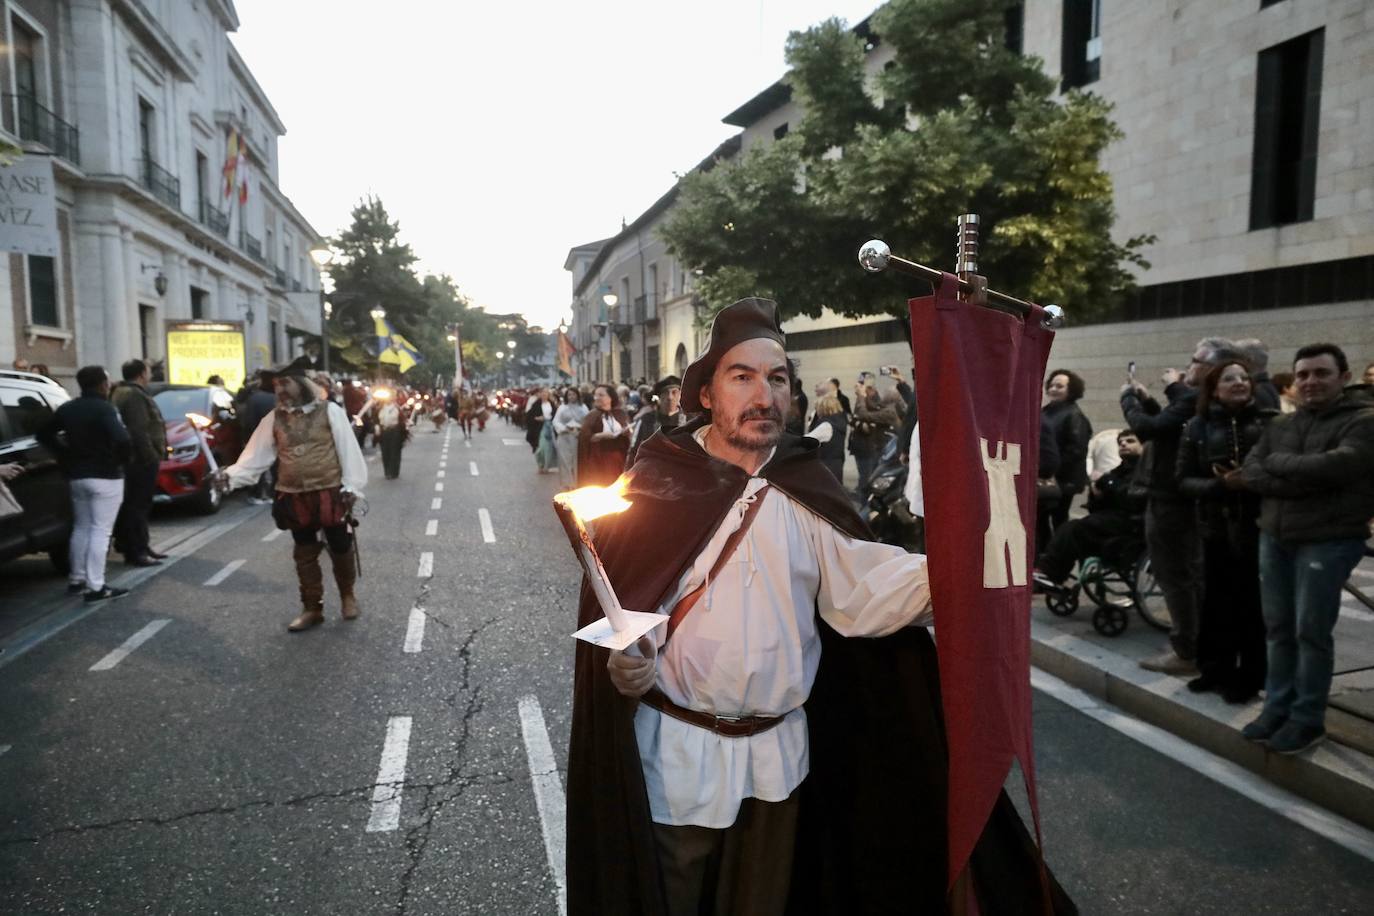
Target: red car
203	434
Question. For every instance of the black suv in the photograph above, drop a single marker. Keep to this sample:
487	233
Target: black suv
27	402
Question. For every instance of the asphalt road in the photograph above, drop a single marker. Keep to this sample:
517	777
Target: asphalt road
226	766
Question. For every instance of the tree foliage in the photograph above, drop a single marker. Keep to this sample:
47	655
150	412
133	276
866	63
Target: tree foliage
374	267
956	123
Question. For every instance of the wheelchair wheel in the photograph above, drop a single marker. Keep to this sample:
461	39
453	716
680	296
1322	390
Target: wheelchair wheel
1149	599
1110	620
1062	603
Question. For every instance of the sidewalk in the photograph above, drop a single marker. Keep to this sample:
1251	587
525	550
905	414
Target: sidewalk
1338	774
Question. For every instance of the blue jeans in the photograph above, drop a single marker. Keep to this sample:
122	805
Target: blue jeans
1300	587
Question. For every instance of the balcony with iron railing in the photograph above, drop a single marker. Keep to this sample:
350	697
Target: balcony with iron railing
28	120
214	218
646	309
165	186
251	246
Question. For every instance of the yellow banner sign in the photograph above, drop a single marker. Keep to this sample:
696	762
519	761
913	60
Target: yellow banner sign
194	353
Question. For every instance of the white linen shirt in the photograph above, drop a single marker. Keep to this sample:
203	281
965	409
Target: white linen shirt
261	450
751	647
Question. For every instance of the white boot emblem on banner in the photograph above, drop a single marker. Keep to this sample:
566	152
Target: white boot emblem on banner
1005	530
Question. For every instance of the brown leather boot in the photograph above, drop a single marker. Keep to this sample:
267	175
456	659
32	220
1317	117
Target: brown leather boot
311	578
345	574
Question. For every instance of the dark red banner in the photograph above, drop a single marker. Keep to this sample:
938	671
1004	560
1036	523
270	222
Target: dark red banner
978	375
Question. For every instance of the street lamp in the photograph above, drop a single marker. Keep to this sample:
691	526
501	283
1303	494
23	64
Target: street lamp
322	255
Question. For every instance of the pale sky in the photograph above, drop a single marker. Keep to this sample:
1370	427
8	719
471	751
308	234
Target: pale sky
501	135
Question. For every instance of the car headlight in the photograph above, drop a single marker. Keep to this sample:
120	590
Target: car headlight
185	452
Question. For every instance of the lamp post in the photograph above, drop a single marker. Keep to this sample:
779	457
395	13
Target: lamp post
610	300
322	255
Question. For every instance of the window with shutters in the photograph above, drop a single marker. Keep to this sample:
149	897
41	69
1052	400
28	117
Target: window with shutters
1287	117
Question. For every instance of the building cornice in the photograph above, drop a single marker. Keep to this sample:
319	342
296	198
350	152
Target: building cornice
284	203
240	69
156	38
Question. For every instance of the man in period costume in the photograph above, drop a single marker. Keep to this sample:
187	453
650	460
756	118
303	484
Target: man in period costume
320	473
748	757
664	413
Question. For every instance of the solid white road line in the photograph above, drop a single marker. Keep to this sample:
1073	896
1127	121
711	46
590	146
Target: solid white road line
415	630
426	565
548	794
272	535
224	573
472	468
439	487
391	777
436	503
1236	778
432	527
488	534
130	644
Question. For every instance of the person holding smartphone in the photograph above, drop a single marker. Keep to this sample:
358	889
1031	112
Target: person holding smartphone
1229	421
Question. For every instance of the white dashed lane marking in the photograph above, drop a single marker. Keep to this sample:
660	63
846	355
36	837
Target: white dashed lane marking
472	468
130	644
488	534
224	573
426	565
272	535
548	794
415	630
432	527
436	502
439	487
391	777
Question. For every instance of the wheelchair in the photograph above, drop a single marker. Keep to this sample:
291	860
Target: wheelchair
1115	581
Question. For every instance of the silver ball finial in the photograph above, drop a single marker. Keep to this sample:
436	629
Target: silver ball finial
1054	318
874	255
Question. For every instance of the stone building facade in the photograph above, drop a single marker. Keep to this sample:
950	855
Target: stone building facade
134	102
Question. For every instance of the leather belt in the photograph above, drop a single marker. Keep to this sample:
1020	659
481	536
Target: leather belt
725	726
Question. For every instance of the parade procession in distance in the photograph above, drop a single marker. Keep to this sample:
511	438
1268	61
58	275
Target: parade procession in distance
950	493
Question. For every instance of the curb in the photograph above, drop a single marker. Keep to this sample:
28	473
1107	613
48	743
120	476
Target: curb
1335	776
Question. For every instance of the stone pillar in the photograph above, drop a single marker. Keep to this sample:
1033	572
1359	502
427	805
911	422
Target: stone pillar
102	349
129	315
222	307
178	298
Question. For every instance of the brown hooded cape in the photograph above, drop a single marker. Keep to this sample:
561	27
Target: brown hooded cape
871	836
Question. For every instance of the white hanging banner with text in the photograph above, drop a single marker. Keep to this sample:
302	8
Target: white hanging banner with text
28	207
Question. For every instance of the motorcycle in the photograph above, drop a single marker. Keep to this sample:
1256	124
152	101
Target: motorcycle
887	512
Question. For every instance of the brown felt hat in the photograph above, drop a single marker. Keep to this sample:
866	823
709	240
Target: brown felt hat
747	319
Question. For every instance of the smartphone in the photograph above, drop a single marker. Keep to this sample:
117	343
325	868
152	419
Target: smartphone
1130	372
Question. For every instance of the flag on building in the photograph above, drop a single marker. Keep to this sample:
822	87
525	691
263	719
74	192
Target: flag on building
978	375
565	354
393	348
233	158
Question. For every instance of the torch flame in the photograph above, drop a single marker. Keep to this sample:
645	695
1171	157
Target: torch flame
593	502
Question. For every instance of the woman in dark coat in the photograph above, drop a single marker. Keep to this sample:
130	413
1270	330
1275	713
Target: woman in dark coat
829	428
1071	431
603	441
1231	647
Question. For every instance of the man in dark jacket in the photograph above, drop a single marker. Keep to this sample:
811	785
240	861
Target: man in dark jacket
148	438
1170	525
1313	471
874	420
92	446
1116	508
262	400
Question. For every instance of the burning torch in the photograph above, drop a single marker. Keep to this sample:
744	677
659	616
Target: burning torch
619	628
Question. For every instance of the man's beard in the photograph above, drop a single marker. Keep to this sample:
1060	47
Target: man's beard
750	440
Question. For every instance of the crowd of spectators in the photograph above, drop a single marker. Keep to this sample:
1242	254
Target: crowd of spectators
1252	497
